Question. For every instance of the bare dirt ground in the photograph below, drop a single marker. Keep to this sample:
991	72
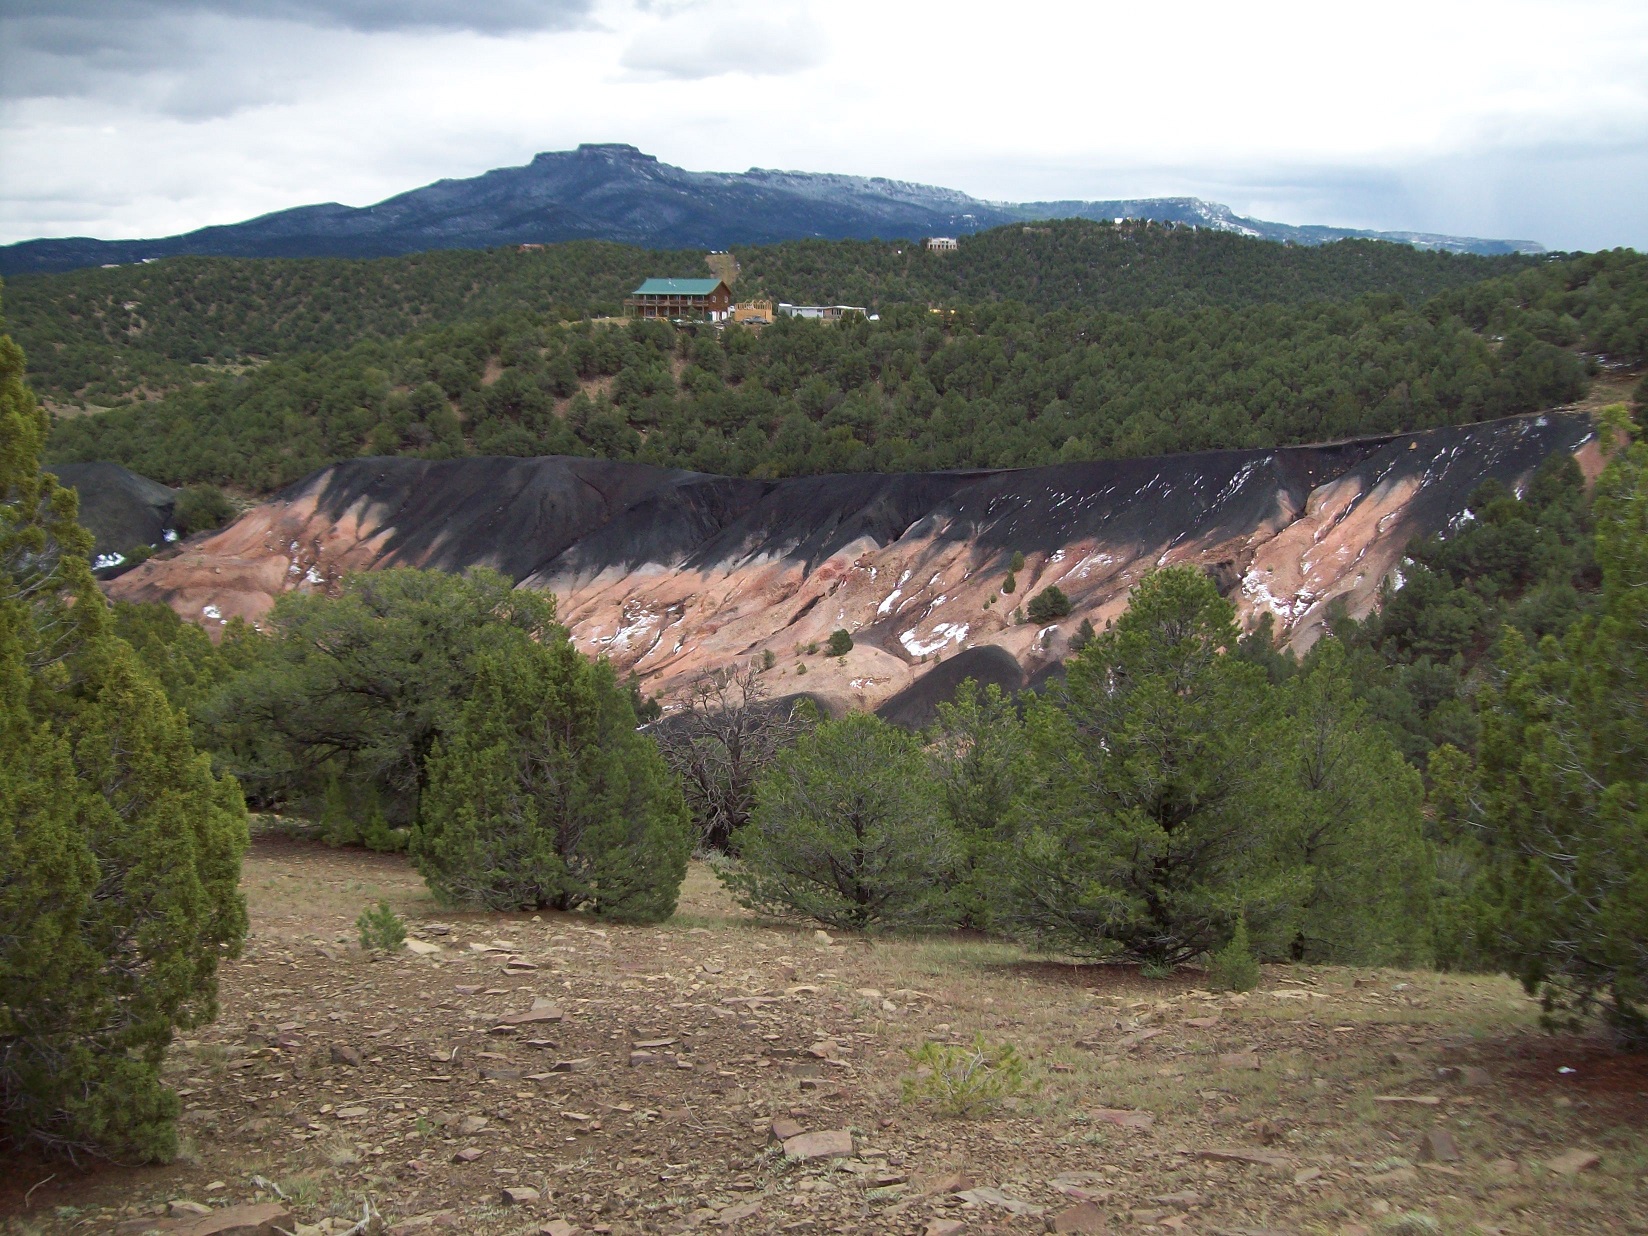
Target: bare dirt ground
1306	1106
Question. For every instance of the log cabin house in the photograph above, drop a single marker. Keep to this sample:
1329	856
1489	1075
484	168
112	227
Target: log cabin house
703	299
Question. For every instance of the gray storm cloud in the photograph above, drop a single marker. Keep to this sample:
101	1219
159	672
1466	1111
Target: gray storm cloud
212	57
485	16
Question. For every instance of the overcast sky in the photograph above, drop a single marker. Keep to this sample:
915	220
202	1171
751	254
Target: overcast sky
1523	119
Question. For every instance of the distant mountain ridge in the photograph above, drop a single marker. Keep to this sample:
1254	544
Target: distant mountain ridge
615	192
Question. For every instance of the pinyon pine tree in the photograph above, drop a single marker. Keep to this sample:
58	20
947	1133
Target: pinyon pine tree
848	829
1142	827
119	850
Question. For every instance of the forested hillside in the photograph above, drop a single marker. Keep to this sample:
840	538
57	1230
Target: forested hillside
102	336
979	386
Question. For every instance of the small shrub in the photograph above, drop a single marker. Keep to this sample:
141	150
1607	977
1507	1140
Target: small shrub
1234	968
767	659
841	643
381	929
1049	605
1010	584
812	649
801	668
970	1080
1085	635
1155	969
200	508
1017	564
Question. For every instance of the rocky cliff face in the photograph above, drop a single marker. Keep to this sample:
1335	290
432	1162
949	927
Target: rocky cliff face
671	573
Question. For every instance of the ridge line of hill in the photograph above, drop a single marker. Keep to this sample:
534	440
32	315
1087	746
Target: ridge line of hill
616	192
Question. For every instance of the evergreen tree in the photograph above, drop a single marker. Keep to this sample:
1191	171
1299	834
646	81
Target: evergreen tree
1144	828
1048	605
1561	797
119	851
361	685
1354	821
847	830
542	793
976	750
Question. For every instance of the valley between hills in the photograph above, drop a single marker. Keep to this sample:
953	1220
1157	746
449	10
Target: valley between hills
1105	725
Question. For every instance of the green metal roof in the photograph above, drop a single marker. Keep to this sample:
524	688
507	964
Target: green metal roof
677	287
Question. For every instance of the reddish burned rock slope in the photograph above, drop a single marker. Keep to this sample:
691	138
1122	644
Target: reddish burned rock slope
671	572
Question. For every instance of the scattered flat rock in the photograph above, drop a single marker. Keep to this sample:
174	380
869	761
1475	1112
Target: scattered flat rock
944	1227
342	1053
1239	1060
1124	1119
737	1211
423	948
1396	1176
824	1144
1231	1154
1184	1197
1418	1100
783	1129
995	1197
1136	1039
1438	1146
468	1154
541	1010
183	1208
1572	1162
1202	1023
557	1227
519	1195
419	1223
263	1219
471	1125
1082	1217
